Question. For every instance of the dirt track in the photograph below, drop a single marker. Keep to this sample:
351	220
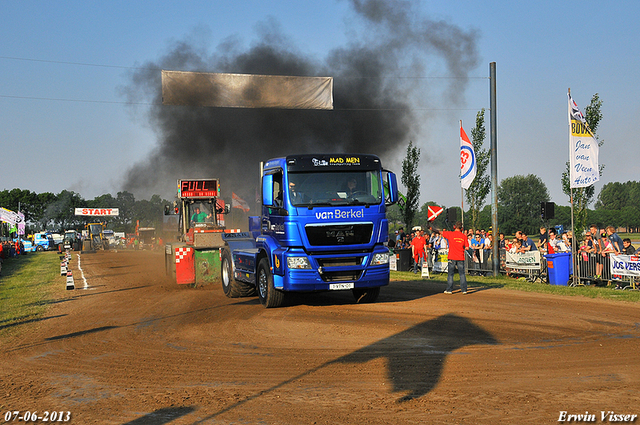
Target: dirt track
136	349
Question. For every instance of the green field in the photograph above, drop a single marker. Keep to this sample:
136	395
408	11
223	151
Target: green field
27	285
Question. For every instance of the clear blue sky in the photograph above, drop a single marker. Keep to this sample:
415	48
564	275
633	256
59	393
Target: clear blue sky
64	123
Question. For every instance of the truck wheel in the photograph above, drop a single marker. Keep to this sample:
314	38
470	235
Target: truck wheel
39	248
269	296
231	287
366	295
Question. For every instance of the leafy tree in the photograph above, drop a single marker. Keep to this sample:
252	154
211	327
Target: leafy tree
583	196
630	217
477	193
150	212
617	204
411	181
39	208
519	200
125	202
60	215
46	211
394	216
484	218
616	195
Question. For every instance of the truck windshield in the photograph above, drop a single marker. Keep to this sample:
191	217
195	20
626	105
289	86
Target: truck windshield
334	188
95	229
201	212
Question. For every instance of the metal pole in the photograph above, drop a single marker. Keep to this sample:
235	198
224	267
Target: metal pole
494	169
576	277
461	195
462	206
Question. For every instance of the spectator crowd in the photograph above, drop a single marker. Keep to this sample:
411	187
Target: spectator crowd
592	250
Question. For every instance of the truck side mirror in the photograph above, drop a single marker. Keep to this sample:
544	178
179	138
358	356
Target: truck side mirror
267	190
392	185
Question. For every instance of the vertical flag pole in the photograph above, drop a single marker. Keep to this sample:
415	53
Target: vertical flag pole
461	198
494	168
462	206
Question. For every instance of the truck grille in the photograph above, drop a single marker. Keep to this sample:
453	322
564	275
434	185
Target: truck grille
340	262
347	234
341	276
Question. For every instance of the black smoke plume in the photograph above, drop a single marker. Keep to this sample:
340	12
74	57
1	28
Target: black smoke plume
378	100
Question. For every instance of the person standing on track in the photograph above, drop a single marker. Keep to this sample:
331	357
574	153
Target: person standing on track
417	249
457	243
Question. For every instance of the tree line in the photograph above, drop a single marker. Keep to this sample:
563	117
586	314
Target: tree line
56	212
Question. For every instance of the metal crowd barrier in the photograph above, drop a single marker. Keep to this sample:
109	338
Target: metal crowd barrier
588	271
479	262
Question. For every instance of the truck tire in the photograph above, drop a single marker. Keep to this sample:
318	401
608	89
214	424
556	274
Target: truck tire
39	248
268	294
365	295
231	287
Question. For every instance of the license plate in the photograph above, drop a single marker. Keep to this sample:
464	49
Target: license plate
339	286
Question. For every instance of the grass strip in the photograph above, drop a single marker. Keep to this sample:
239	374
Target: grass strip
27	285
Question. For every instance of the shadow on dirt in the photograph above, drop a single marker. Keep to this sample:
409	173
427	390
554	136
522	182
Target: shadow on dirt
161	416
396	291
22	322
75	334
89	294
415	357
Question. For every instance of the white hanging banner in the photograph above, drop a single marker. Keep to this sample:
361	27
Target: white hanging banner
246	90
468	167
583	149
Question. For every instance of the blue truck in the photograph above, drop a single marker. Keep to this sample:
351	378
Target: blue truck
43	241
322	227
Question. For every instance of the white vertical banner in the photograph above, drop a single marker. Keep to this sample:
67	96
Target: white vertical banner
583	149
467	160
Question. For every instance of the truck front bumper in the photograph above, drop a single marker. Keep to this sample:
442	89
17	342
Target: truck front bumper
334	272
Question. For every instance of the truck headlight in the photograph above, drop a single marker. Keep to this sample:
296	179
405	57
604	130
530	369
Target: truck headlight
298	263
380	258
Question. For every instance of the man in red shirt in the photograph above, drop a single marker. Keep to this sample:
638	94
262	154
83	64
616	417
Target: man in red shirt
457	243
417	249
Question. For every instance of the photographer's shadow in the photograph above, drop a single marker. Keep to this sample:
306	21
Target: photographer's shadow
415	357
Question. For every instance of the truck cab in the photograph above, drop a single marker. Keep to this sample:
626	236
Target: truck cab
43	242
71	240
95	238
322	228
